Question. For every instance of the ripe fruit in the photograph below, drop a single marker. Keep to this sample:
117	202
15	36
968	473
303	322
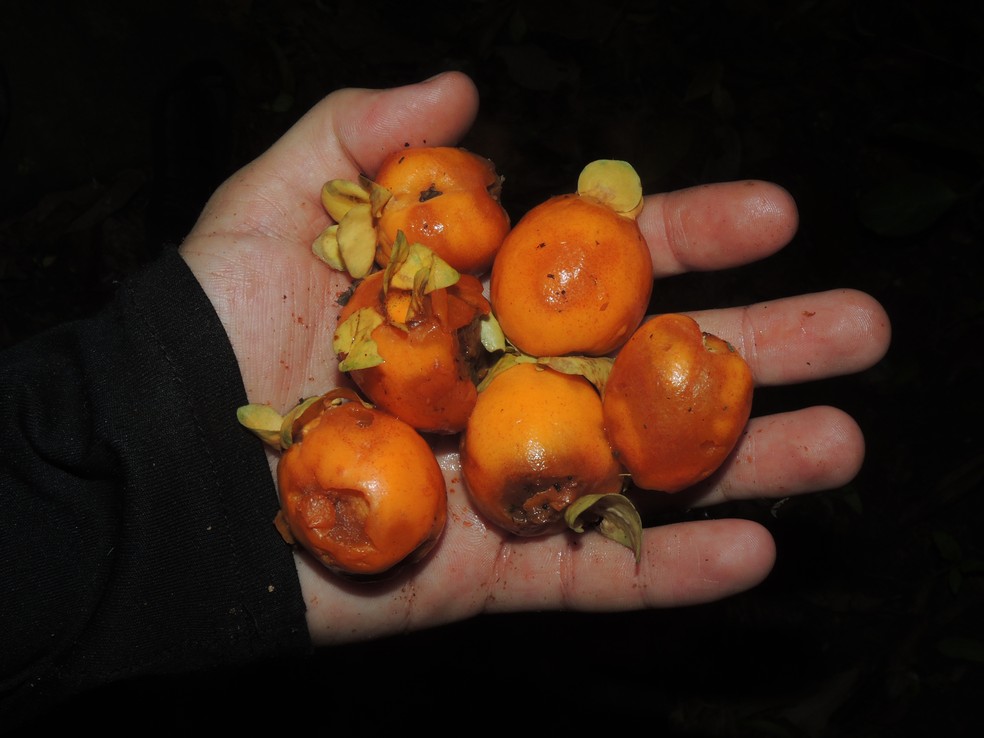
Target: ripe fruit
445	198
409	337
359	489
535	444
574	275
675	403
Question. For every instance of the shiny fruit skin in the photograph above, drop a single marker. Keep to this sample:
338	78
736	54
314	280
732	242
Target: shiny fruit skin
571	277
362	491
446	198
426	377
534	443
675	403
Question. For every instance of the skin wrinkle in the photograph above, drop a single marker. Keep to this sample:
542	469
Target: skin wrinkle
765	210
656	565
338	133
474	585
409	596
747	344
334	156
700	570
510	565
567	576
856	325
815	465
699	567
337	156
265	209
674	235
379	127
734	552
269	384
725	487
495	582
257	212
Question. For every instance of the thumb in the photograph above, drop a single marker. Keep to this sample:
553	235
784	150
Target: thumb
348	132
352	130
436	112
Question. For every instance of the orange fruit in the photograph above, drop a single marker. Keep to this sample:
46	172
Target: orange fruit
574	275
533	445
360	490
675	403
447	199
416	354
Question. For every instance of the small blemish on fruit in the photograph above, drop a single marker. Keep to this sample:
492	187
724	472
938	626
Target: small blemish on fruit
429	194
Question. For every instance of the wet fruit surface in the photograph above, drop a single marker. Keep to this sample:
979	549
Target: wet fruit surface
675	403
426	349
561	397
534	444
359	489
573	276
447	199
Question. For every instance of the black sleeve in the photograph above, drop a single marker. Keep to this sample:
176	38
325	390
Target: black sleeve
136	533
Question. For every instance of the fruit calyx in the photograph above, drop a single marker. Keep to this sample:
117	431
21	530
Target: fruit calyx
349	244
613	182
281	431
593	368
613	515
412	273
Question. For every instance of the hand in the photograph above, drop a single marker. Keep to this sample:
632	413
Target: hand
251	251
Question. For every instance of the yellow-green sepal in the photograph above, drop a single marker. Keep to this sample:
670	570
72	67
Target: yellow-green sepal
325	247
413	266
338	196
491	334
300	414
349	244
354	343
593	368
262	421
612	514
613	182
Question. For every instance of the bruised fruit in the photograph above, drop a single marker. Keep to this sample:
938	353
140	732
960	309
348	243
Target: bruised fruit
409	338
575	274
443	197
534	445
675	403
360	490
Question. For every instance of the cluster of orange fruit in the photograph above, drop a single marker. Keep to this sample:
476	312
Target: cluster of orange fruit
561	393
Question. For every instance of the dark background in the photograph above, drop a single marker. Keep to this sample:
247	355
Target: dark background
117	120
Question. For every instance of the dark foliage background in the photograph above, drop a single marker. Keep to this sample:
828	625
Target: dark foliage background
119	118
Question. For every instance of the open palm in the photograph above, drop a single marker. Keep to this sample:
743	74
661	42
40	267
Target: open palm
251	251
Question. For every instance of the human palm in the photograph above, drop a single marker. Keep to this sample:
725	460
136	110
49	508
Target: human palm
251	251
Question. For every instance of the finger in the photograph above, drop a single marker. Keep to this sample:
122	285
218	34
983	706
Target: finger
717	226
349	132
803	451
479	571
681	564
808	337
